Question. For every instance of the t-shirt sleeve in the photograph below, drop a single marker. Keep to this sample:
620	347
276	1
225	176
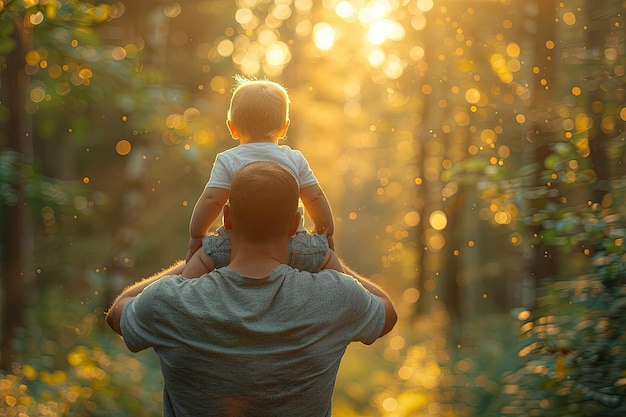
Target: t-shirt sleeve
305	174
365	313
220	174
137	321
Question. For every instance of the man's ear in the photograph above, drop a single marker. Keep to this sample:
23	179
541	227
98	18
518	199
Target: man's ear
227	223
297	218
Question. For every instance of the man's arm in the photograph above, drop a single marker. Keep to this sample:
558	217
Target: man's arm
390	312
114	315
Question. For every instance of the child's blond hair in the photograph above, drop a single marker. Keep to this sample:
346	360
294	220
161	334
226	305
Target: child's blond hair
259	108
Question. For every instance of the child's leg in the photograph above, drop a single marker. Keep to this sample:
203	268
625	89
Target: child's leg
199	264
214	253
332	262
310	252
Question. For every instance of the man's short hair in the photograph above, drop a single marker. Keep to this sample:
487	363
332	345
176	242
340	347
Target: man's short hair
263	201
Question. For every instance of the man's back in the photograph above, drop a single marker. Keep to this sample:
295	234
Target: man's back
231	345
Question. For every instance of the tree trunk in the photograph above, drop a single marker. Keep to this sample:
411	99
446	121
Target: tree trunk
539	259
597	33
145	20
15	234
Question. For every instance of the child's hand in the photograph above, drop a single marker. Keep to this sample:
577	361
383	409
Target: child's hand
195	243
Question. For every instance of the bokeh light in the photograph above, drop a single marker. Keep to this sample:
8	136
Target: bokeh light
324	36
123	147
438	220
470	149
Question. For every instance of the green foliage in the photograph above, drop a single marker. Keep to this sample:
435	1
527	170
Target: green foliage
431	367
7	43
573	351
95	384
40	191
83	99
9	176
573	347
72	369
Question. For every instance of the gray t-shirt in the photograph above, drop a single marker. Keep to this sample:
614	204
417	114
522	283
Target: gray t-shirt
232	345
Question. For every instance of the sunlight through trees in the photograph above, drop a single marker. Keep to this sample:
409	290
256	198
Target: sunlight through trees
473	152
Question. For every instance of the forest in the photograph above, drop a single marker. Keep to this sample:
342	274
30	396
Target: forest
472	151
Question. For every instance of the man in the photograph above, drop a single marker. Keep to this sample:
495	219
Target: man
256	338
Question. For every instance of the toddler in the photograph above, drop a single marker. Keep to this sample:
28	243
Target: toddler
258	117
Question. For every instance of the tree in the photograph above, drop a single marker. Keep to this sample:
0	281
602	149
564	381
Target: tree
58	69
16	149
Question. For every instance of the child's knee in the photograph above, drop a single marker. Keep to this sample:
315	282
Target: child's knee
199	264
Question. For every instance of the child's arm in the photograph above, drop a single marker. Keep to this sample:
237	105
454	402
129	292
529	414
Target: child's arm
206	211
318	208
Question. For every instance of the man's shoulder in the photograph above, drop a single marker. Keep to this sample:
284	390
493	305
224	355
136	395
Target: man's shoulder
167	284
326	278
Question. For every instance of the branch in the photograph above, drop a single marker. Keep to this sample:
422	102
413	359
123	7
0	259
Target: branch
6	6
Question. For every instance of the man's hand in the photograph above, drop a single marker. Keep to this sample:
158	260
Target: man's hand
331	242
195	243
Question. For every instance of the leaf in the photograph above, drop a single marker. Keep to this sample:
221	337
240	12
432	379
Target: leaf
552	162
475	164
526	170
566	226
7	44
561	368
562	148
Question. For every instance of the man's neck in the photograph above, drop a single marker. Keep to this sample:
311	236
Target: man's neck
257	260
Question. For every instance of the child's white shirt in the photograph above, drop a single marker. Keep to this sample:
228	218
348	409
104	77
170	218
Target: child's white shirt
229	162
